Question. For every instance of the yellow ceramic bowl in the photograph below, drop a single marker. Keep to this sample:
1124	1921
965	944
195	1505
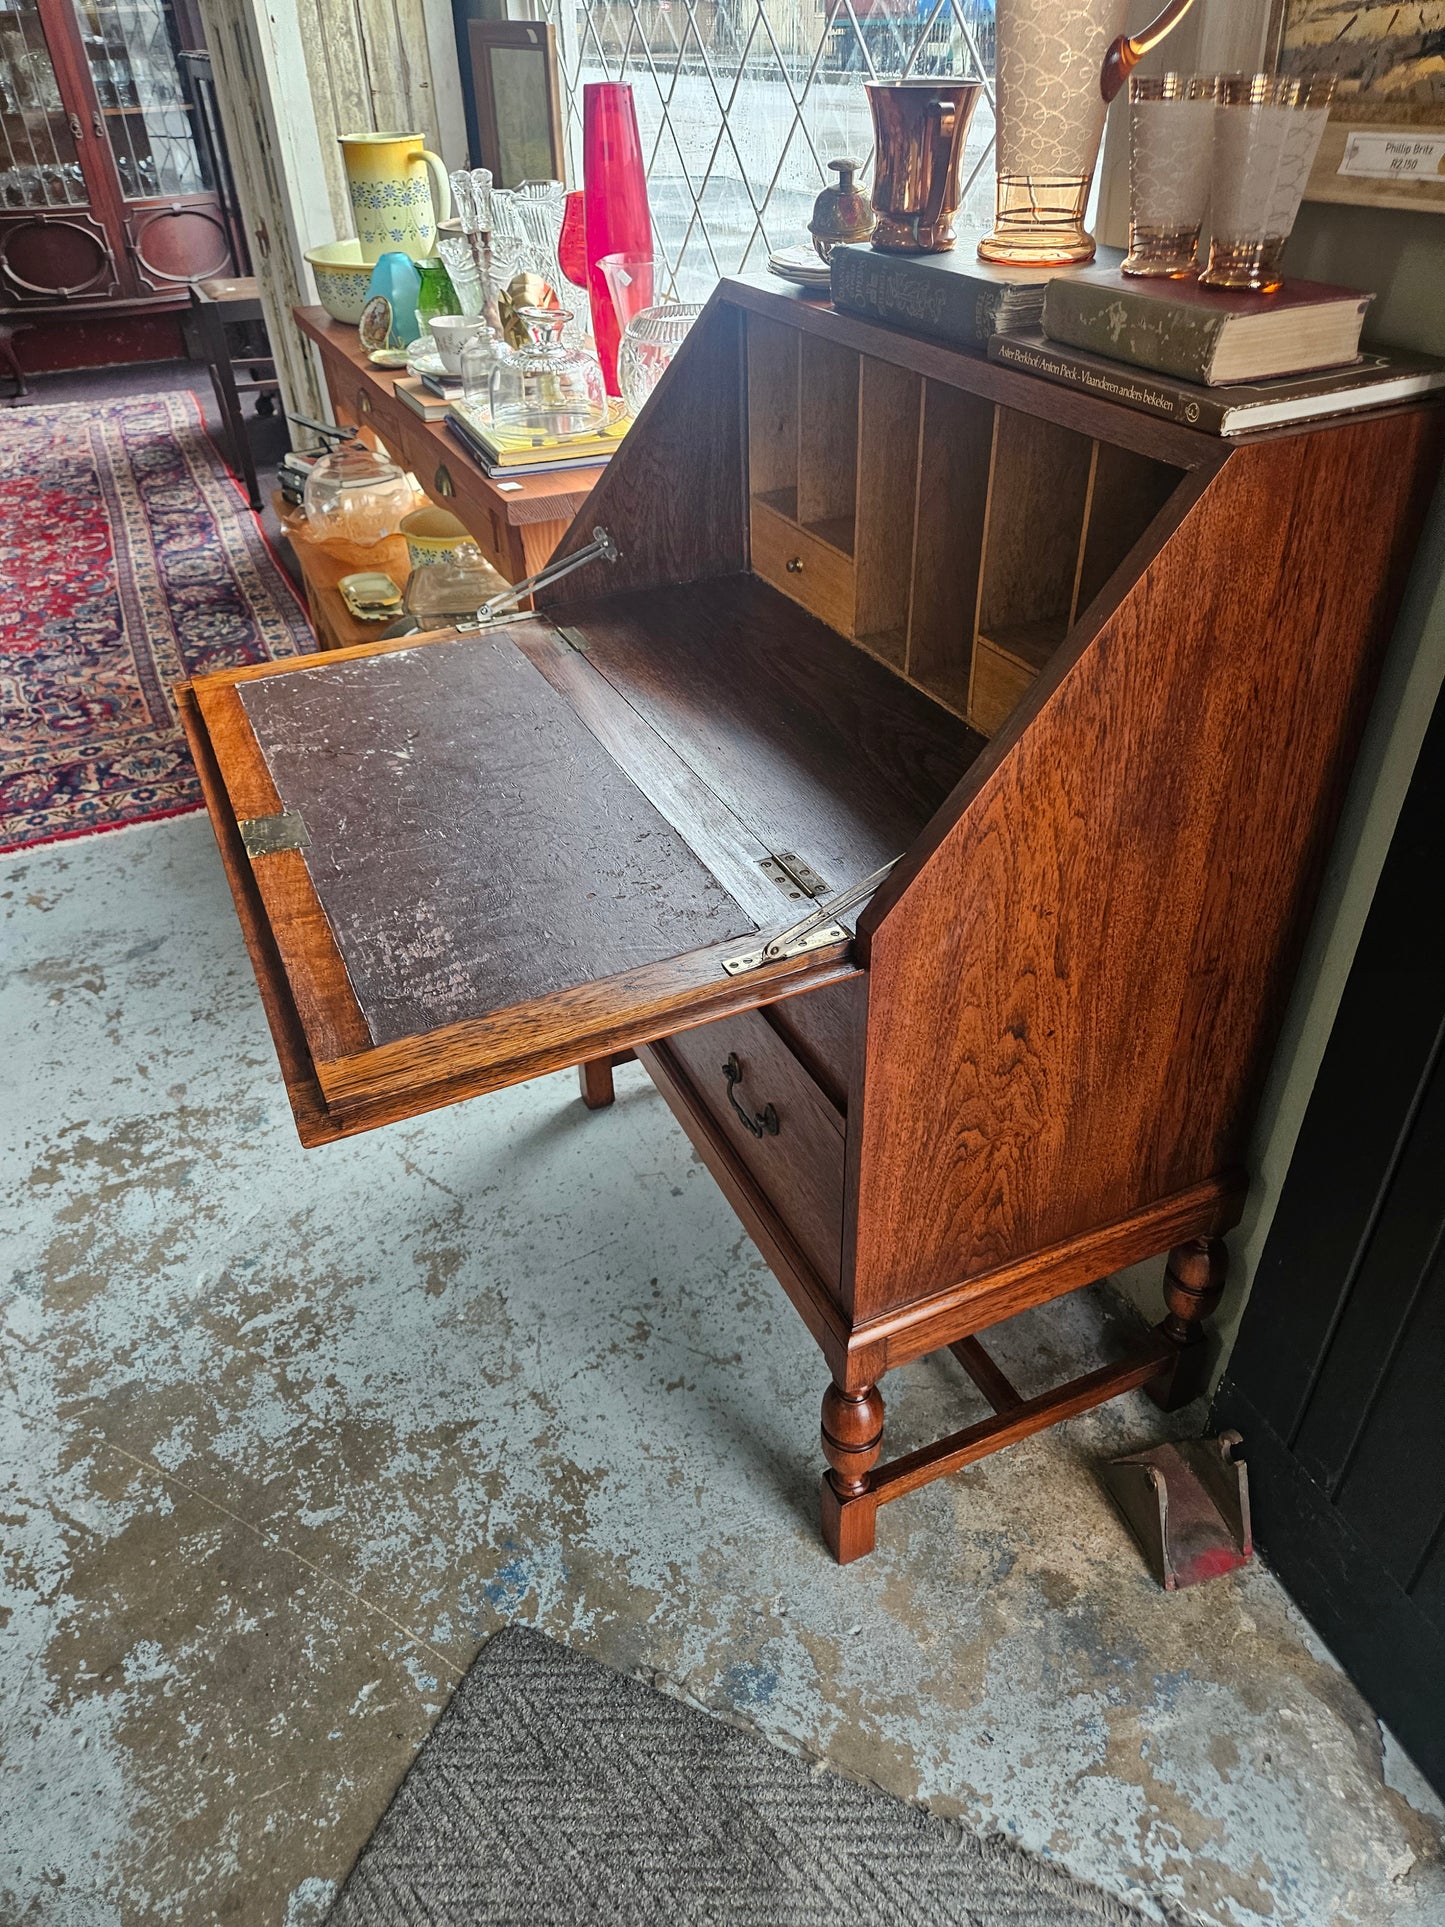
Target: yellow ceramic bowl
342	278
431	534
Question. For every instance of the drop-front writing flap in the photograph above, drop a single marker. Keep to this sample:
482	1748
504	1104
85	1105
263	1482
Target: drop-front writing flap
472	844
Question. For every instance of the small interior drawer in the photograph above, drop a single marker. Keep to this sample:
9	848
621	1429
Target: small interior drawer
810	570
744	1074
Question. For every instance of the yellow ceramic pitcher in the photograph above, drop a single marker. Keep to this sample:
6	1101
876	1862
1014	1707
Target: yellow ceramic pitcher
391	195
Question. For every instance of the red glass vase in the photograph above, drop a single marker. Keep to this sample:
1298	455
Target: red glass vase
614	198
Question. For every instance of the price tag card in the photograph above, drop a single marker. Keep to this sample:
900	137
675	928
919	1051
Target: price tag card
1395	157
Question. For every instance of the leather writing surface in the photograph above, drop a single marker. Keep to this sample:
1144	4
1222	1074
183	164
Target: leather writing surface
471	842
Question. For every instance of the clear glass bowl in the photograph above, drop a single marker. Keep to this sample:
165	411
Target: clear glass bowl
649	342
355	495
547	389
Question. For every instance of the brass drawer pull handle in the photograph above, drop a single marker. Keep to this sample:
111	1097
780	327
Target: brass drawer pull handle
765	1124
795	567
363	402
442	480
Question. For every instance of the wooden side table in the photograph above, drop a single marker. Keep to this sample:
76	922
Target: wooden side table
516	527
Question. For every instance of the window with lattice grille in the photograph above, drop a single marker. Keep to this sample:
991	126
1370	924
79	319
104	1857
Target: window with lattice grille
742	103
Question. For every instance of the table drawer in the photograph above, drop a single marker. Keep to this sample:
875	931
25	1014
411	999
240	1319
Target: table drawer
803	566
745	1076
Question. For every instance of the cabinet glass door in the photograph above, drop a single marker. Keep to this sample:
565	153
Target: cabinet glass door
131	46
39	165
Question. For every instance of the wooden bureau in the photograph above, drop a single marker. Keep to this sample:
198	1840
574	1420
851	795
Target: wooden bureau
1095	682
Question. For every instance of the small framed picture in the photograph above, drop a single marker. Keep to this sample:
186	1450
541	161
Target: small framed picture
1385	142
519	101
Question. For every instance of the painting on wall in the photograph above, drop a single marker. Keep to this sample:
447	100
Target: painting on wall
1385	144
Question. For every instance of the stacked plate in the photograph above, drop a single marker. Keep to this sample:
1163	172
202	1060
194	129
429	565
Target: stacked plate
801	266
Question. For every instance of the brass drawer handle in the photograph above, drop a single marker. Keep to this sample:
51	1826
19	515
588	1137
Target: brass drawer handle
442	480
795	567
765	1124
363	402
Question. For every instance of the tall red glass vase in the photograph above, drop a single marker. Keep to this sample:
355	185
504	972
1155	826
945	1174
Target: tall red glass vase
614	200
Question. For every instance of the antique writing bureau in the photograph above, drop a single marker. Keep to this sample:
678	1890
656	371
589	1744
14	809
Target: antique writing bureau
1094	681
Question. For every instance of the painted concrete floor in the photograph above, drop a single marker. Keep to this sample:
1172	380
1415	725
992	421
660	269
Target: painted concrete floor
286	1434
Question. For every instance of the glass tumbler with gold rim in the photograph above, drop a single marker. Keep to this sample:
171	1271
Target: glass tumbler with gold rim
1171	146
1267	130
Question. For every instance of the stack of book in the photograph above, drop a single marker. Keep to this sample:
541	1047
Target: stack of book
429	396
1222	362
952	297
499	454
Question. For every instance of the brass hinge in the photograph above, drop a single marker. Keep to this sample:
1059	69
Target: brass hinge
793	877
821	927
269	835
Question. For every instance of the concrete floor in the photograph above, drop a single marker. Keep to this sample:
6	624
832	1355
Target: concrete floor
286	1434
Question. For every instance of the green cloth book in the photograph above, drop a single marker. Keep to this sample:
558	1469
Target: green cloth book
1371	382
952	297
1206	335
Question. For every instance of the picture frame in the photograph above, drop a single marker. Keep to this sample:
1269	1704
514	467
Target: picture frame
1384	145
519	100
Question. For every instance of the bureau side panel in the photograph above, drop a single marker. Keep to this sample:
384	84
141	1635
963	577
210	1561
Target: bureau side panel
1073	994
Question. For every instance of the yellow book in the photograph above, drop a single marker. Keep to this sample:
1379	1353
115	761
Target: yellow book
506	451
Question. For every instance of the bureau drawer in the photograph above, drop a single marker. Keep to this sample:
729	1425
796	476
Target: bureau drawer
744	1075
804	567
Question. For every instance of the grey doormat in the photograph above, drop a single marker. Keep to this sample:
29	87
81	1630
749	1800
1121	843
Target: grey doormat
553	1790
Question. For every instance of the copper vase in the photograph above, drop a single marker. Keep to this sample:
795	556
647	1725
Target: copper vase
919	128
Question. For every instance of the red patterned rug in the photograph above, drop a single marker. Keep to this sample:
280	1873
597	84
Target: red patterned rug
129	561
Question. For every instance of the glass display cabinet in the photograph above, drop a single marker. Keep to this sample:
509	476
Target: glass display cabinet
108	196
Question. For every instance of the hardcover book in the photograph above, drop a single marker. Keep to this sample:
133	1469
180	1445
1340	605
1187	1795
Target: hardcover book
529	455
1206	335
953	297
1371	382
410	389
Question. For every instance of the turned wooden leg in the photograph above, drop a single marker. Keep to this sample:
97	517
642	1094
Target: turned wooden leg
596	1078
852	1438
596	1081
1193	1286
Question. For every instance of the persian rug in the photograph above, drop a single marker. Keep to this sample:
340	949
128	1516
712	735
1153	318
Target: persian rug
130	561
553	1790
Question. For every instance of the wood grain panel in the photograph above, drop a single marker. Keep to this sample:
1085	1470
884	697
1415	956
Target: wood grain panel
674	498
1128	492
953	482
960	368
1073	992
828	440
786	1259
798	1168
320	986
813	744
1038	497
773	353
594	1020
824	1031
809	571
889	404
